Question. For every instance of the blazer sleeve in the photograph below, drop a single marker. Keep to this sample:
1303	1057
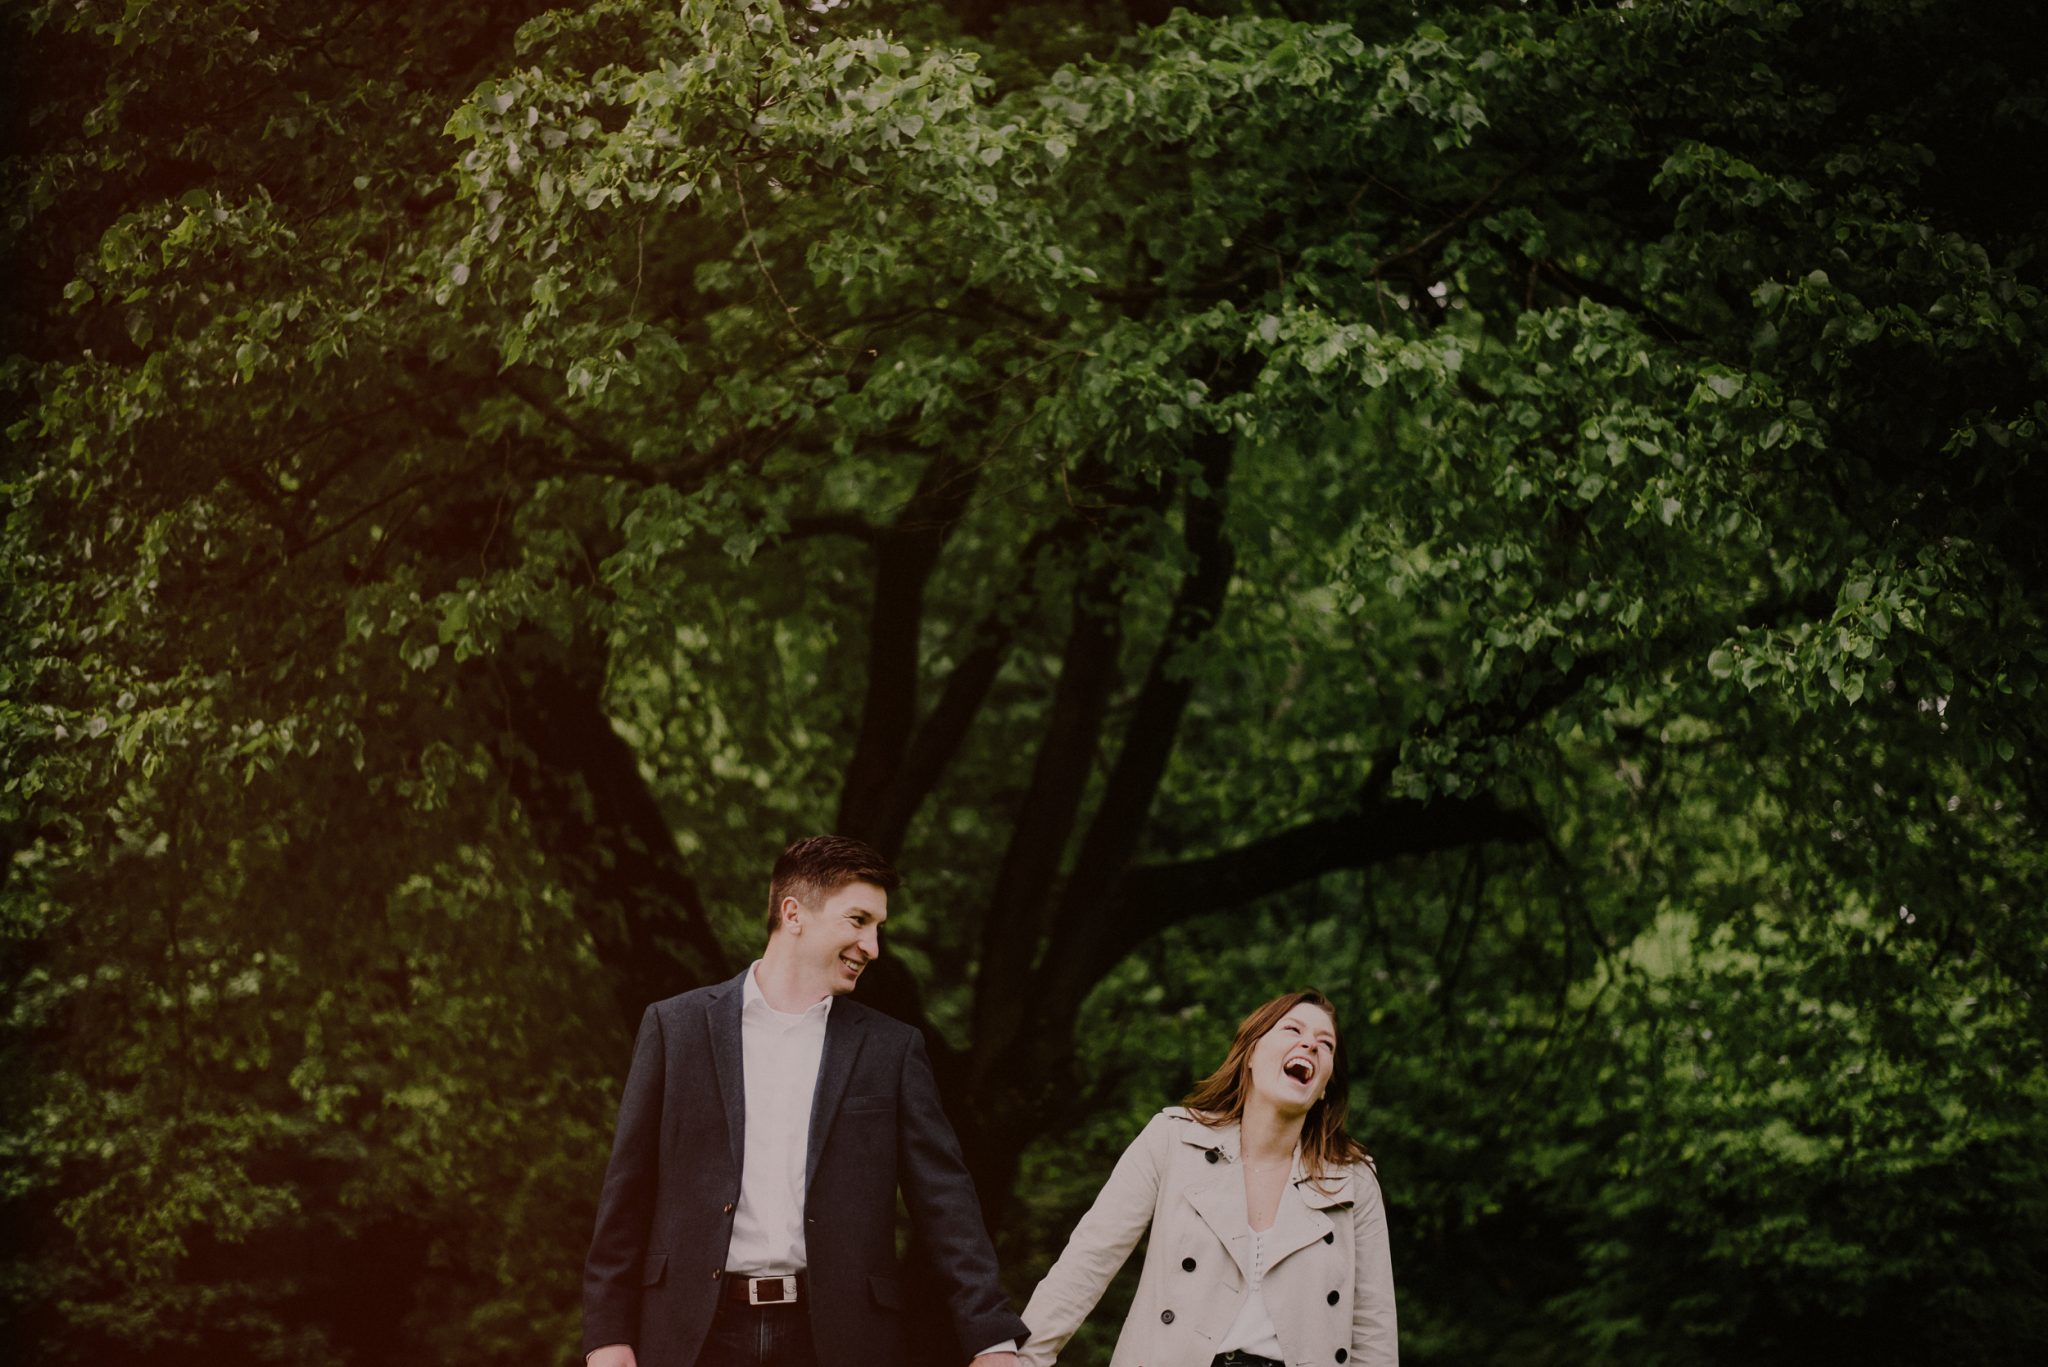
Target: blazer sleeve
625	1207
1374	1340
946	1211
1098	1246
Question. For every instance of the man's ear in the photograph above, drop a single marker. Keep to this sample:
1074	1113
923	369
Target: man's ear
791	921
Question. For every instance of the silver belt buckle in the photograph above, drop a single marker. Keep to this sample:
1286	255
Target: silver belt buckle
783	1288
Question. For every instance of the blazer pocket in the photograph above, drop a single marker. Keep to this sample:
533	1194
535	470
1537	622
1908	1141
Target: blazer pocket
887	1291
652	1267
879	1101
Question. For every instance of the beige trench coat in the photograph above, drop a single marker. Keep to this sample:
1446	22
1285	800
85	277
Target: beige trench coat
1329	1283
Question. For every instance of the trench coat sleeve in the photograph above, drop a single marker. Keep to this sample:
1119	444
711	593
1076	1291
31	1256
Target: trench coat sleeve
1374	1341
1098	1246
625	1208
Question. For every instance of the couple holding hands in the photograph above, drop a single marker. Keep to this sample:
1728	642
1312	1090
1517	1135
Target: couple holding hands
748	1215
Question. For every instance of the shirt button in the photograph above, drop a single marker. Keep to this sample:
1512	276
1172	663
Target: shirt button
1333	1298
1166	1317
1187	1264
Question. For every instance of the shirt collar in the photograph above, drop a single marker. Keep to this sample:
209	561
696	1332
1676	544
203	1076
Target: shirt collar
753	1001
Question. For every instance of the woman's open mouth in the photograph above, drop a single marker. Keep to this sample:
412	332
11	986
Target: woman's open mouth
1300	1069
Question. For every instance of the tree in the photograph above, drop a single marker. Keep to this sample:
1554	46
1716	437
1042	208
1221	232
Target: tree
483	494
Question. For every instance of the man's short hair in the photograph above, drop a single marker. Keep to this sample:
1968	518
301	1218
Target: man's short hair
820	865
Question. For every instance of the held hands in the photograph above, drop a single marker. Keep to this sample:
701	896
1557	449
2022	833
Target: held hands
611	1355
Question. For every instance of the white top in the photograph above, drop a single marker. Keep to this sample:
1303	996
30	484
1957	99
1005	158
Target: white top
1252	1331
780	1054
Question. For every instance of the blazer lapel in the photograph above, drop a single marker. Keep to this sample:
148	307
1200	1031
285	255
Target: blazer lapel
844	1031
728	1060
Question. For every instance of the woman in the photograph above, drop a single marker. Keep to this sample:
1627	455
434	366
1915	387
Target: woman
1269	1241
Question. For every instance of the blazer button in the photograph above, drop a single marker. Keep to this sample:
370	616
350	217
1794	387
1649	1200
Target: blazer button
1330	1238
716	1273
1212	1156
1333	1298
1166	1317
728	1207
1187	1264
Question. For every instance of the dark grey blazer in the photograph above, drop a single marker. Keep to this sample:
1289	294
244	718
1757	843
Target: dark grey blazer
664	1220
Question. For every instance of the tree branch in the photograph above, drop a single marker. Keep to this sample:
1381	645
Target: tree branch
603	833
939	736
1154	897
904	559
1119	819
1046	816
686	473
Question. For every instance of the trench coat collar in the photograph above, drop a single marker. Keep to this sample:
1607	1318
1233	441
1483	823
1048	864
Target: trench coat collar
1219	1199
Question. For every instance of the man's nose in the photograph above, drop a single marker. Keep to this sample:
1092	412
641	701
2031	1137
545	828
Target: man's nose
871	942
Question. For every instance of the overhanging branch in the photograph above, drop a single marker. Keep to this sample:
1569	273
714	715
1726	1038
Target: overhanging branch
1153	897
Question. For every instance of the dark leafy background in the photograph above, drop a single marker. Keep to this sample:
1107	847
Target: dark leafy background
1523	515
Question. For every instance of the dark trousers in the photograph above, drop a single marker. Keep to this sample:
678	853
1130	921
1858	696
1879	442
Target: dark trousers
759	1336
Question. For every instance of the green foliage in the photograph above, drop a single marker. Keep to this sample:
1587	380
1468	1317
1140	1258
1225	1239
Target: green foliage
1522	514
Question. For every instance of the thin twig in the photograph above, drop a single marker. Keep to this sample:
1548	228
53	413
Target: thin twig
753	245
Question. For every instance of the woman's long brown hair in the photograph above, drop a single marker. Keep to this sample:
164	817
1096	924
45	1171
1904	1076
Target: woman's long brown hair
1218	1099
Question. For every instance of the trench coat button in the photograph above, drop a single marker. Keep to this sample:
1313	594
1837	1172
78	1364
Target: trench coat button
1212	1156
1330	1237
1341	1355
1187	1264
1166	1317
1333	1298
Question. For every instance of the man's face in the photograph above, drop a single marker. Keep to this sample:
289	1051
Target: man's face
839	936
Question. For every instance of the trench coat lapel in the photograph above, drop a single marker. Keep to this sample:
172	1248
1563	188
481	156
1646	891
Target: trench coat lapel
1302	1219
844	1031
1218	1195
728	1060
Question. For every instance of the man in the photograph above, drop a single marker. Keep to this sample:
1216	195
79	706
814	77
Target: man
749	1212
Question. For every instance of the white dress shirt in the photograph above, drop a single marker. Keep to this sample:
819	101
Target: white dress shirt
779	1058
779	1054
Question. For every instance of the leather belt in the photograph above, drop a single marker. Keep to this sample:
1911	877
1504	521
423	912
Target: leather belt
759	1291
1238	1357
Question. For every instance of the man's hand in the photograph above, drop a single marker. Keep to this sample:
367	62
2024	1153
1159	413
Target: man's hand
612	1355
990	1360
